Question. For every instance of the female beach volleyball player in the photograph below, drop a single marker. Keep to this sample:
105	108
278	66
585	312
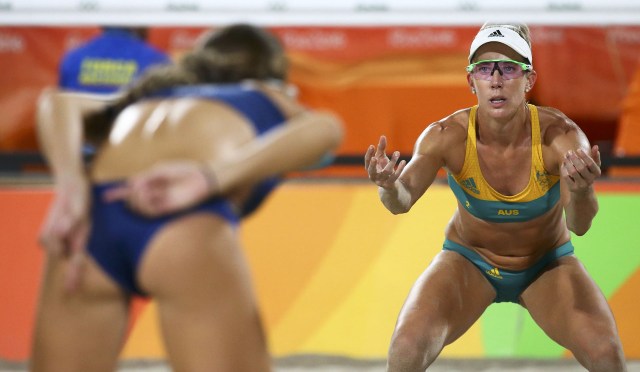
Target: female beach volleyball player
183	155
523	176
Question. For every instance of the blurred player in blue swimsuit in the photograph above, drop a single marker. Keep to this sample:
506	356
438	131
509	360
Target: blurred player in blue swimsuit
183	155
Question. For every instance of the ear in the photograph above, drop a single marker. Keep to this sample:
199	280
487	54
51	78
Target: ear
531	80
471	85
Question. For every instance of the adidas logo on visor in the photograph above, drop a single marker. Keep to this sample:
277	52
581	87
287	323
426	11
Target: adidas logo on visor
496	33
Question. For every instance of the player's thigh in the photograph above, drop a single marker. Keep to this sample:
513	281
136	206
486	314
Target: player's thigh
568	305
196	253
81	330
196	271
447	299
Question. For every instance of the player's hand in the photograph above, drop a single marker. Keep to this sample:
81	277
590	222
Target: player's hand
382	170
165	188
66	229
579	169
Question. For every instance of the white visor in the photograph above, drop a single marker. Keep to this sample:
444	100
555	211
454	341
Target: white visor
502	35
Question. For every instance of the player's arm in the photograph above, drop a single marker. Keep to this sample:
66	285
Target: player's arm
301	142
59	120
66	228
400	185
579	166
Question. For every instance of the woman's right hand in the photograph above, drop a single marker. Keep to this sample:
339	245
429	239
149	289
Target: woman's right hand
382	170
66	228
165	188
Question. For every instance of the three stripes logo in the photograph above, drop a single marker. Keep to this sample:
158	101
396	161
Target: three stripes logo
496	33
494	273
470	184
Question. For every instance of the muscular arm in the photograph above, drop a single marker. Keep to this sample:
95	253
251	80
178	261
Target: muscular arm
578	173
59	128
59	124
579	166
300	143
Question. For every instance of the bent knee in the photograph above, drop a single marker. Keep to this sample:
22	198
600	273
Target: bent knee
411	348
603	354
406	353
407	345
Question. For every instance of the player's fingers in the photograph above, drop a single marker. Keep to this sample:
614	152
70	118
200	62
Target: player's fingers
368	155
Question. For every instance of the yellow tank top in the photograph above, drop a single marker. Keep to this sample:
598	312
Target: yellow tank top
481	200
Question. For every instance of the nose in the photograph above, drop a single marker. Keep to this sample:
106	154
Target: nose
496	79
496	67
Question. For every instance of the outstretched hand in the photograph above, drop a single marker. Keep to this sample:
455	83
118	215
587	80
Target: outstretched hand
165	188
580	169
382	170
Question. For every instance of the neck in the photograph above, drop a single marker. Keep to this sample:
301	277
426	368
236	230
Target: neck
503	131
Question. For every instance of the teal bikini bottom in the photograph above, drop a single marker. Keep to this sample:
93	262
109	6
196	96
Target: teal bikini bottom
508	284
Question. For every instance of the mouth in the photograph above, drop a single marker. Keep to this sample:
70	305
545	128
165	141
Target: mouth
497	101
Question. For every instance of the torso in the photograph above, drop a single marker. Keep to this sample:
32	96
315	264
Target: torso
155	130
508	172
176	128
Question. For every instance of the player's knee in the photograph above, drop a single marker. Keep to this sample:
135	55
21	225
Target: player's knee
410	350
605	354
405	347
405	356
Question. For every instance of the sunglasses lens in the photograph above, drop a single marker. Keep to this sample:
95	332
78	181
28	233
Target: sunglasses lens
483	70
510	70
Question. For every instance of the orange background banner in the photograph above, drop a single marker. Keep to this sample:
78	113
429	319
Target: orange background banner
381	80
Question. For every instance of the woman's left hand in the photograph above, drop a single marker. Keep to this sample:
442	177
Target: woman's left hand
165	188
579	169
66	229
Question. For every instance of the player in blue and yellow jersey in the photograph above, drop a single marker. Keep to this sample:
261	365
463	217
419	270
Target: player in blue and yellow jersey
109	61
523	176
183	155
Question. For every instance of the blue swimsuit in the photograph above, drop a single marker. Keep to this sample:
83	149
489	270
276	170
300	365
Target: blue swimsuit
119	237
478	198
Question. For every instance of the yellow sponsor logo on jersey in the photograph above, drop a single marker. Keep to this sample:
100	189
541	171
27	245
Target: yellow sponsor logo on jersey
494	273
508	212
96	71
